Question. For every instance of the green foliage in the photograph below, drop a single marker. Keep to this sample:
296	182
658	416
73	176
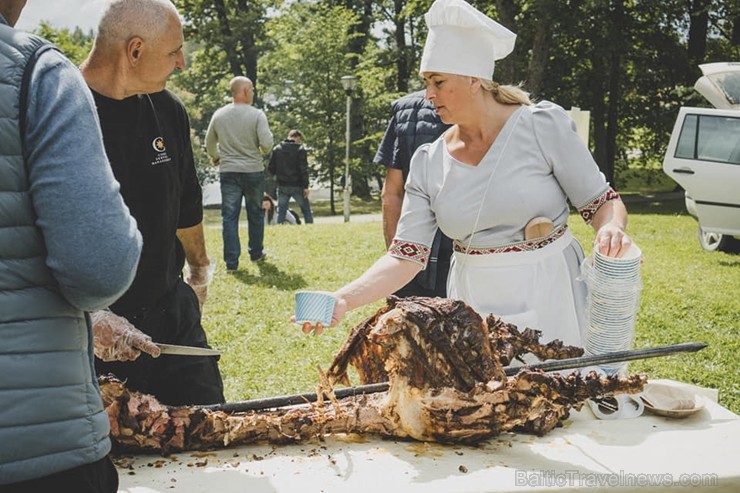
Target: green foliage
206	171
688	295
75	44
301	77
227	30
629	63
202	91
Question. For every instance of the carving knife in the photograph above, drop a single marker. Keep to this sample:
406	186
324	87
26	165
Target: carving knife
187	350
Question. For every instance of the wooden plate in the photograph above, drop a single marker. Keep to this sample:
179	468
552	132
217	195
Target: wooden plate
670	401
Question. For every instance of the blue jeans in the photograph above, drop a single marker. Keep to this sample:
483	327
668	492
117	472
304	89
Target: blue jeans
234	187
284	195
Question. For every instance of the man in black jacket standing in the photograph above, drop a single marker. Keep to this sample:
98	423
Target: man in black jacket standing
289	164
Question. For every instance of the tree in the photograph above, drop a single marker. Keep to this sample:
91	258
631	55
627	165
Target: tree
75	44
309	53
227	30
697	43
630	63
615	58
221	43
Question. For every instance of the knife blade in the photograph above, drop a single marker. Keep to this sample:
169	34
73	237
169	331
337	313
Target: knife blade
187	350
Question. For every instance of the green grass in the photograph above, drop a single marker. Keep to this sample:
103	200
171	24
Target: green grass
688	295
642	180
247	313
356	206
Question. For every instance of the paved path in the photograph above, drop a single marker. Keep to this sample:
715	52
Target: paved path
365	218
628	199
353	218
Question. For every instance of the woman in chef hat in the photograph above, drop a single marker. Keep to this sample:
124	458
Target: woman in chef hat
518	165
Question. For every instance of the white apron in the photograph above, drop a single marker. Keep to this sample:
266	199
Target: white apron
539	289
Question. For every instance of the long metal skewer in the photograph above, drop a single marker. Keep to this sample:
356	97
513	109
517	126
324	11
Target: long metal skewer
563	364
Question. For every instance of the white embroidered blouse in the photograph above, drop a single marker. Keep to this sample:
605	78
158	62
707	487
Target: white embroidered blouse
539	166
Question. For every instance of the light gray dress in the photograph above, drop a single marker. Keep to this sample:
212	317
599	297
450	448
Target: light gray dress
535	167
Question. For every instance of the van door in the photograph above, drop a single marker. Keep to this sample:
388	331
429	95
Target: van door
703	156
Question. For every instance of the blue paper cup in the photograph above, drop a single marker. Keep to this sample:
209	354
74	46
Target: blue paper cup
314	306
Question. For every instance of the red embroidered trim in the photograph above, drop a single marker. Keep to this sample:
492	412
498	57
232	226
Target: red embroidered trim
524	246
410	251
587	212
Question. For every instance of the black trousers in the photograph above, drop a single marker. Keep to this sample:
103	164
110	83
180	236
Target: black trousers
173	379
432	281
97	477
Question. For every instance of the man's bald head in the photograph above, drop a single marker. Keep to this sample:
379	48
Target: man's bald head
126	19
242	89
238	84
138	46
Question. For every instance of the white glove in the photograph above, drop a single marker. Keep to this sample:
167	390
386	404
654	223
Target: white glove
199	277
201	291
115	339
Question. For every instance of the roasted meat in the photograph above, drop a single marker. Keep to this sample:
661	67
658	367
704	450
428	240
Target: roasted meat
444	366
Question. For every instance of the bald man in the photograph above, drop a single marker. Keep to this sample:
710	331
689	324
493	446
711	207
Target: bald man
147	138
68	245
238	137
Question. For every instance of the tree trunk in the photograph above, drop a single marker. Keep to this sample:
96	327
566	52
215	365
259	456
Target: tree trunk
539	58
225	27
402	60
332	173
615	69
598	110
249	51
697	45
505	69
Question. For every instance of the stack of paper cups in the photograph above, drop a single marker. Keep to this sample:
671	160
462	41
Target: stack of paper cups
613	300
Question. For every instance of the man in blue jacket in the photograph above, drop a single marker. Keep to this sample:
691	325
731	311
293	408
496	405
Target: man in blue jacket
68	245
413	122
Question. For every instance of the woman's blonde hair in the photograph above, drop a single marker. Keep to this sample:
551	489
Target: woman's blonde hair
506	94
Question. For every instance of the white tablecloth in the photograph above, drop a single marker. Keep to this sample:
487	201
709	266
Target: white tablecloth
649	453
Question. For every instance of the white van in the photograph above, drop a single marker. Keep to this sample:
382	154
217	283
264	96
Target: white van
703	156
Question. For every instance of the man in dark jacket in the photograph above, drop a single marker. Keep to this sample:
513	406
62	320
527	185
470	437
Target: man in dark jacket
414	122
289	164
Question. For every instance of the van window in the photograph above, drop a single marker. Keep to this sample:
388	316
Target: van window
710	138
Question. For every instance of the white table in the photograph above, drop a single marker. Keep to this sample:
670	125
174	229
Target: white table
649	453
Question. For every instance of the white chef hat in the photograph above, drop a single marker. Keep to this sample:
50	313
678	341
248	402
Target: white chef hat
463	41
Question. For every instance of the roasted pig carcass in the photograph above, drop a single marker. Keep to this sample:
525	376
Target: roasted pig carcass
447	381
445	368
